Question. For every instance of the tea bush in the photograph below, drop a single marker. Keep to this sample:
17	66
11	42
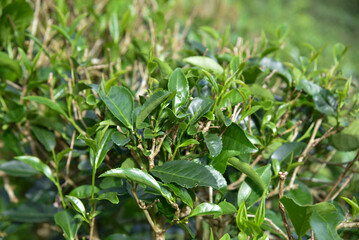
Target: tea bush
118	123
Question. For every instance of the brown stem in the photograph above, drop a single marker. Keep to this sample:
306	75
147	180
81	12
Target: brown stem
68	162
348	225
282	177
340	178
306	150
272	224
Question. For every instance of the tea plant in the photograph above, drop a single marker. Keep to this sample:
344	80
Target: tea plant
141	138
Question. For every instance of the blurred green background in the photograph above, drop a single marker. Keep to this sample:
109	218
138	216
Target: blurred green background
317	22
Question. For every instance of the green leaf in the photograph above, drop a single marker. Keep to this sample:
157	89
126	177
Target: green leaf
11	64
227	208
214	144
235	142
137	176
211	80
178	83
322	230
151	103
38	165
260	213
225	237
43	100
110	196
256	183
47	138
352	203
189	174
283	153
188	142
198	107
67	224
242	217
347	139
30	213
300	214
119	101
83	191
261	93
17	169
206	63
278	66
249	190
103	146
182	193
77	204
120	139
302	194
205	209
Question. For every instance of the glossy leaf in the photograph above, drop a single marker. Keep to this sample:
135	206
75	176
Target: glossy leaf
46	137
151	103
205	209
38	165
119	101
46	101
214	144
67	224
178	83
77	204
198	107
205	63
17	169
235	142
189	174
278	66
137	176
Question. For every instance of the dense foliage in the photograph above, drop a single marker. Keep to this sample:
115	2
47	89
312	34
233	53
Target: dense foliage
117	122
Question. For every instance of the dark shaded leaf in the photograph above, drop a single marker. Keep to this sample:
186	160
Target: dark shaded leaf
18	169
46	137
198	107
151	103
38	165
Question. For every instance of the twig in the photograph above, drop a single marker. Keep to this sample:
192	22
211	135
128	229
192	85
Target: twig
282	177
35	23
8	188
340	178
306	150
68	162
272	224
348	225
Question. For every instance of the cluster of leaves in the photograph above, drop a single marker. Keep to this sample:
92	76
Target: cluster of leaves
148	124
